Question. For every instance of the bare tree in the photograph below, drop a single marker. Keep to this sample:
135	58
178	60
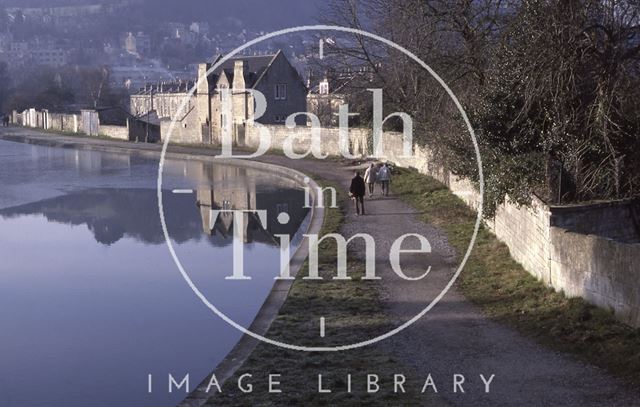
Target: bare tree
543	81
94	82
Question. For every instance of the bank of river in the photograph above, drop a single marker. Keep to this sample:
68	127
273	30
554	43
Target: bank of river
456	337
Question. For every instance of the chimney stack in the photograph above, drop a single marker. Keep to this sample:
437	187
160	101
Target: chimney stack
239	68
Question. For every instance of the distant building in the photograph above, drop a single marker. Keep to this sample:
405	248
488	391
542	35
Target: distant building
50	56
324	101
37	52
164	99
332	91
5	41
200	27
139	43
64	16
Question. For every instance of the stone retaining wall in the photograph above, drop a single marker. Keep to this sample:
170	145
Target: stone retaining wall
619	221
301	136
599	269
63	122
116	132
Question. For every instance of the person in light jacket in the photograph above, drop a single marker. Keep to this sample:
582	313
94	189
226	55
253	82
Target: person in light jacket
384	177
370	178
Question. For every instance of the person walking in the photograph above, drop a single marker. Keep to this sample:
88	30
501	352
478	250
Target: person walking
370	177
384	177
357	190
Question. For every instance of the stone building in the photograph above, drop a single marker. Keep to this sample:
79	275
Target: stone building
39	52
334	89
136	43
205	115
272	75
163	98
324	102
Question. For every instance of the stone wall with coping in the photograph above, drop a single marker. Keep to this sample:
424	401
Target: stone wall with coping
63	122
599	269
115	132
618	220
301	139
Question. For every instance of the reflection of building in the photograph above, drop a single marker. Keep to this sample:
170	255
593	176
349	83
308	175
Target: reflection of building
112	214
232	190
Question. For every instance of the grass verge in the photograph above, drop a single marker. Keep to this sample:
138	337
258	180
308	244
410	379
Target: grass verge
510	295
353	313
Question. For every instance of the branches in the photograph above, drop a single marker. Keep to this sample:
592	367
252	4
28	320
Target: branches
541	79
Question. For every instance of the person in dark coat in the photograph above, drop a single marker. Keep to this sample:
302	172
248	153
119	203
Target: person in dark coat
357	191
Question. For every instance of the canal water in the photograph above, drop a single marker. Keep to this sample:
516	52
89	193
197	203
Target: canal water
91	301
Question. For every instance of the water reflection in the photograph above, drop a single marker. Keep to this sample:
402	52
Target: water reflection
93	293
113	214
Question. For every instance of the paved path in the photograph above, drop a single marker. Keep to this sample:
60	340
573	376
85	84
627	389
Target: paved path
455	337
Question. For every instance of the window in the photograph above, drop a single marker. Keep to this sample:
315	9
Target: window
223	120
324	87
281	91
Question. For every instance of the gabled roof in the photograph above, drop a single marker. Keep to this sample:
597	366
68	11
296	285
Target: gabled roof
256	65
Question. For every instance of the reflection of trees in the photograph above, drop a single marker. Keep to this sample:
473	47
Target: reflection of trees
112	214
106	232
